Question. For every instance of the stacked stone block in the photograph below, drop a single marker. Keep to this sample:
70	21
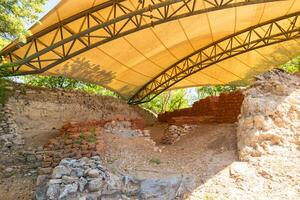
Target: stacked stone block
9	136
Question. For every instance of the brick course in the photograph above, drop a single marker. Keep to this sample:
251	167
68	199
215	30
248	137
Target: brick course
74	142
79	139
216	109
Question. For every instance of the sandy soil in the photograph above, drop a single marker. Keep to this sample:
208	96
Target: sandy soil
202	153
17	187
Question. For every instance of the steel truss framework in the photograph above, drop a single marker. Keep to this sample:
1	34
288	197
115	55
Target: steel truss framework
39	56
262	35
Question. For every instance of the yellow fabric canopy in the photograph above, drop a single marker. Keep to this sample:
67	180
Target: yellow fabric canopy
125	64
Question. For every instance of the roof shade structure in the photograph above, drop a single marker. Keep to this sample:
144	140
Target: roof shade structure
140	48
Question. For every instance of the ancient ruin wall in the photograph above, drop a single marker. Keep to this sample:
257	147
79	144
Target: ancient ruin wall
36	112
270	116
215	109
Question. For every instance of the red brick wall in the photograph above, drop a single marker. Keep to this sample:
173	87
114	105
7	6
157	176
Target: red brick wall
216	109
73	142
79	139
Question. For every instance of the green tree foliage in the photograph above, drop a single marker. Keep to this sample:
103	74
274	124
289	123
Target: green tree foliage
292	66
66	83
97	89
168	101
51	82
15	15
3	42
205	91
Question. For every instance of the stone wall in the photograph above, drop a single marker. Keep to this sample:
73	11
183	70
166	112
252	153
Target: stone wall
38	113
9	134
270	116
216	109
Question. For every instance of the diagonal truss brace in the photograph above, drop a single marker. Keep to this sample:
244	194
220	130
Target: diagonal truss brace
272	32
39	56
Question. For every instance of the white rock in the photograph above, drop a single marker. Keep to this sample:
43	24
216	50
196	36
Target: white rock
60	171
53	192
82	183
55	181
93	173
95	185
68	189
241	170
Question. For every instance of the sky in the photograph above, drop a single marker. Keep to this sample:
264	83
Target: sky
48	6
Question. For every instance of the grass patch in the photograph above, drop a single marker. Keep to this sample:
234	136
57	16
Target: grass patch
92	136
78	140
155	161
81	135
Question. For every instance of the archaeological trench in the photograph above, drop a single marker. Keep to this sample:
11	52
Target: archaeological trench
58	144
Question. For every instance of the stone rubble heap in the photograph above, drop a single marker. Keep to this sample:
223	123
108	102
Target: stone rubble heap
125	129
174	133
88	179
270	116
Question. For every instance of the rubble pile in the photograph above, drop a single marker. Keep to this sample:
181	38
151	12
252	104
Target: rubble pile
87	178
125	129
174	133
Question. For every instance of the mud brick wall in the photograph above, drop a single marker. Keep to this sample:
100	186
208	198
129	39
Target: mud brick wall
216	109
207	106
229	107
